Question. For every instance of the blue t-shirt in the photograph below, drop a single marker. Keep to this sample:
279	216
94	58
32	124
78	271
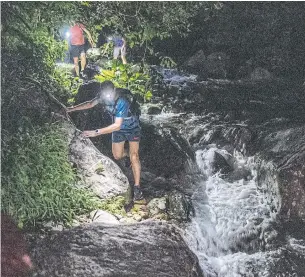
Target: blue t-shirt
121	109
117	41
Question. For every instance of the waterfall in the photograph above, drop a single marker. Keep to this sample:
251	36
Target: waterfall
230	219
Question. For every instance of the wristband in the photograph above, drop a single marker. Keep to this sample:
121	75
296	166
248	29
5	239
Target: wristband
97	131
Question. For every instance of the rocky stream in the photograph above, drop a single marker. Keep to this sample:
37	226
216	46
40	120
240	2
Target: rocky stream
223	165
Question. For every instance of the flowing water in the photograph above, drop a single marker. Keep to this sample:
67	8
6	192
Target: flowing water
232	232
230	220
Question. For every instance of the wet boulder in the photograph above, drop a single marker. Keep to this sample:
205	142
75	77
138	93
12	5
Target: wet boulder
103	217
196	61
157	206
156	187
154	109
98	171
145	249
260	73
179	206
216	65
285	149
211	66
160	152
222	163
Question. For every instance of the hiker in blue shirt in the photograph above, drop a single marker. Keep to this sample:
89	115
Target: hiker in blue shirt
125	127
119	46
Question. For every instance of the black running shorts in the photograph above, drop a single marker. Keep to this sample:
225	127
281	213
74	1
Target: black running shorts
126	135
77	50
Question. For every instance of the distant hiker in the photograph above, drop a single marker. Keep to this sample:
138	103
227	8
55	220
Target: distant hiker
125	125
119	46
77	48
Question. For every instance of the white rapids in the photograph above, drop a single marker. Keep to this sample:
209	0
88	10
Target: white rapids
228	215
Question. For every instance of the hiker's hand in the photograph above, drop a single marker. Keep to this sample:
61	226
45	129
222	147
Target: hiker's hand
90	134
69	109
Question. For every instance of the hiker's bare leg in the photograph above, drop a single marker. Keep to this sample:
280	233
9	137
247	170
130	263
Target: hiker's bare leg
124	59
135	161
82	61
76	67
116	53
118	150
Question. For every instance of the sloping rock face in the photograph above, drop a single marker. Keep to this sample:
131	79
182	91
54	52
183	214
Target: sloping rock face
98	171
148	249
286	148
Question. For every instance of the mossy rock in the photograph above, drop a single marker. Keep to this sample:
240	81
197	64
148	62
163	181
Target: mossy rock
114	205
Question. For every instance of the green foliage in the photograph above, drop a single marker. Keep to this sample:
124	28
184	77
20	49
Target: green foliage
107	50
68	84
167	62
130	76
114	205
47	49
99	169
33	29
143	21
37	178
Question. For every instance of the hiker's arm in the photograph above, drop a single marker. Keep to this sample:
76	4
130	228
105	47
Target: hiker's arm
83	106
89	37
116	126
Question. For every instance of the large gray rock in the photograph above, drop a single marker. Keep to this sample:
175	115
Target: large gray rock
197	60
163	152
179	207
286	149
213	66
98	172
216	65
260	73
103	217
147	249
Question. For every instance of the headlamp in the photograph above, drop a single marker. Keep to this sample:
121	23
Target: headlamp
108	95
67	34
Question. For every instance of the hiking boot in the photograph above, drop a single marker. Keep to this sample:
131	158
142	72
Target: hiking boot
137	193
128	207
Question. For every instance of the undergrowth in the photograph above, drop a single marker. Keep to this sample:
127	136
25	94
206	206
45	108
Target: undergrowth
38	182
114	205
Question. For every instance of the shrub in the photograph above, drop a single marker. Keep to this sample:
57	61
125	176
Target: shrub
68	85
131	76
114	205
38	180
